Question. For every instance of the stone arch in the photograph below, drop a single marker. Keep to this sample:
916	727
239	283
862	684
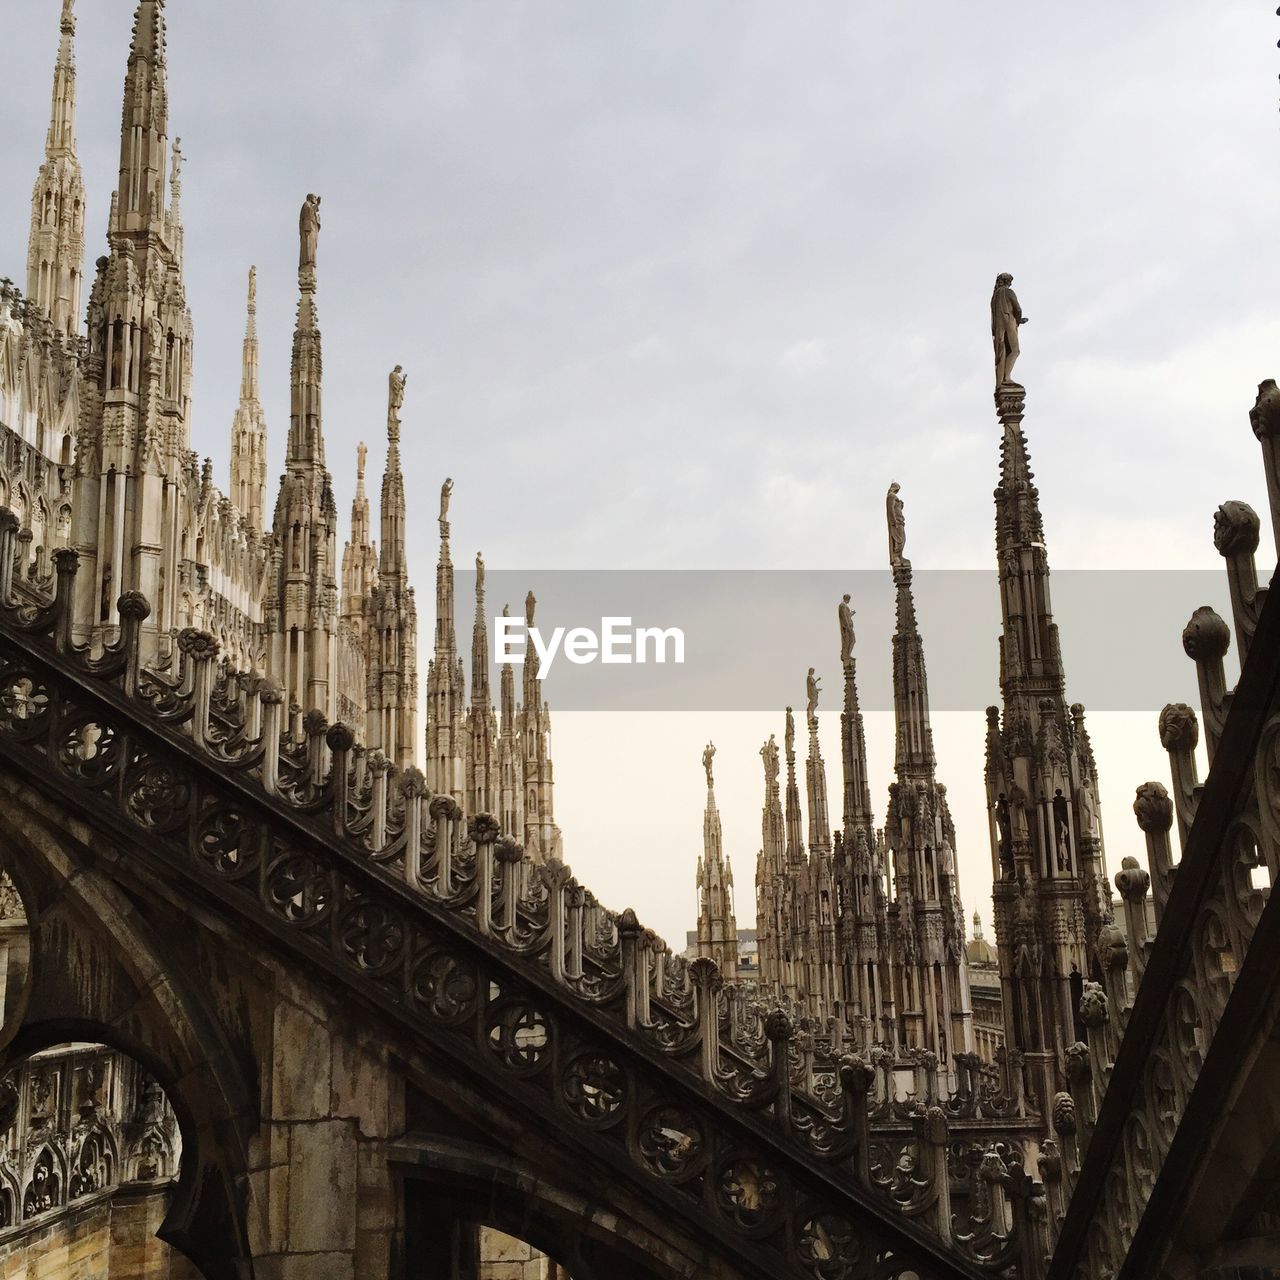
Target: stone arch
99	974
454	1179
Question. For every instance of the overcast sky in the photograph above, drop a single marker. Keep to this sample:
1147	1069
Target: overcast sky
688	284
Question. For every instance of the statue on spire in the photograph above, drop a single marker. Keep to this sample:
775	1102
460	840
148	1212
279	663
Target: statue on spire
769	753
479	573
530	604
708	755
897	525
395	391
790	737
362	452
446	490
308	232
1006	317
813	687
847	638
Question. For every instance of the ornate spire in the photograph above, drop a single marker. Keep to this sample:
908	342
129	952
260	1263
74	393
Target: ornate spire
480	644
914	755
717	928
393	567
816	776
794	821
249	426
145	123
55	250
306	432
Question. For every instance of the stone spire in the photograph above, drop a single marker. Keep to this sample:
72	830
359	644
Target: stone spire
510	762
249	426
145	126
359	558
816	778
55	252
1046	843
717	928
862	926
773	888
446	679
393	659
932	988
541	835
133	450
304	613
483	782
793	820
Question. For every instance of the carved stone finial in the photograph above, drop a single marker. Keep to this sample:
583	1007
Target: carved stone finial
1264	417
340	737
1064	1115
484	829
1133	880
1113	946
629	924
777	1026
1179	728
412	782
1235	529
197	644
314	723
856	1073
133	604
1153	808
508	849
706	973
1093	1005
1206	637
272	691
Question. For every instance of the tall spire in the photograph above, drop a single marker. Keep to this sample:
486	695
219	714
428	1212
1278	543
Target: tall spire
816	776
446	678
306	433
394	668
249	427
932	979
480	644
55	250
304	614
1046	845
145	123
794	821
717	928
914	754
484	789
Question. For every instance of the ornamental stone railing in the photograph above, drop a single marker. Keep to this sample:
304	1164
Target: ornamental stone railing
512	970
1157	1017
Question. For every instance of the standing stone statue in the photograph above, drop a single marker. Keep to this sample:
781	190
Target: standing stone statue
707	756
1006	316
395	391
308	232
897	525
845	614
479	572
790	738
769	752
445	490
530	604
813	687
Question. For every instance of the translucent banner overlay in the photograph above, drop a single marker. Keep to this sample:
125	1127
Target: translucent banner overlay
749	637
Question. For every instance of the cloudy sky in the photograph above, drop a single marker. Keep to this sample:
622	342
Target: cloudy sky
685	285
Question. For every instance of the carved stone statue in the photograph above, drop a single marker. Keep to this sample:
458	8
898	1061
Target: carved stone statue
769	753
445	490
395	390
362	452
1006	316
530	604
847	638
479	572
308	232
813	687
790	738
897	525
708	755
